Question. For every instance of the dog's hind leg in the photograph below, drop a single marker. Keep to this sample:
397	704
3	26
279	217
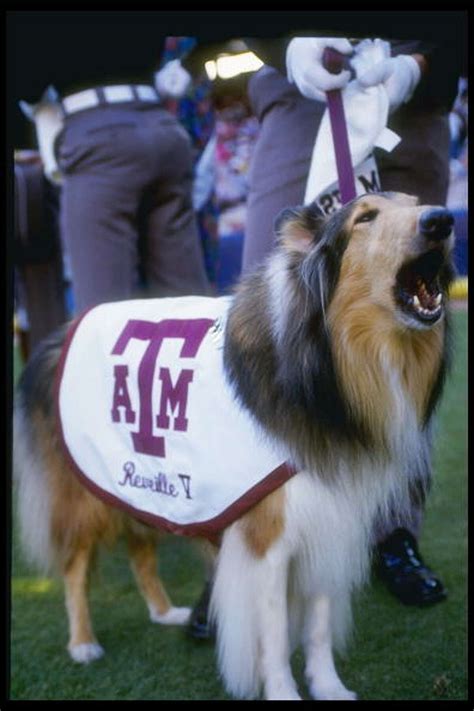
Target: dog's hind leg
142	552
323	680
82	646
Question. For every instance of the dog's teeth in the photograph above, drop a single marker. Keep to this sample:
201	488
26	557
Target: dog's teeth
416	301
438	299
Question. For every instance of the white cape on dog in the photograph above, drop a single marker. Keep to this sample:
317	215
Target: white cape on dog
149	421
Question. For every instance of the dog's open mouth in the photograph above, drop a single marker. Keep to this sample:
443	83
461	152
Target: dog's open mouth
418	290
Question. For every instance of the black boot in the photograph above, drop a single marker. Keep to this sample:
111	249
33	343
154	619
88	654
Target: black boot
400	566
199	625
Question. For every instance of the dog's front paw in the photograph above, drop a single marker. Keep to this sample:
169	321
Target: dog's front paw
334	692
324	683
281	689
287	695
85	653
173	616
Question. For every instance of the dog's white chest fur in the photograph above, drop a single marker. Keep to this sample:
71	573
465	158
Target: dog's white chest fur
309	574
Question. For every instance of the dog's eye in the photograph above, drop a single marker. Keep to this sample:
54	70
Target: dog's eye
367	216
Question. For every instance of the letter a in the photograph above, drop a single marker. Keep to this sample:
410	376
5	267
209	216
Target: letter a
121	396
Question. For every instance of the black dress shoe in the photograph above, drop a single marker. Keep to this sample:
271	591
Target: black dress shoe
199	625
400	566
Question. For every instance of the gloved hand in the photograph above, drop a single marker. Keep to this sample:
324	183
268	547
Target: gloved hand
399	75
304	65
173	80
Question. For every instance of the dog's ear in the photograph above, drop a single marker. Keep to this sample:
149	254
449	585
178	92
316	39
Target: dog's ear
320	267
299	228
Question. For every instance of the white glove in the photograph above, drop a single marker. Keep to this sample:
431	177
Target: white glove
173	80
304	67
399	75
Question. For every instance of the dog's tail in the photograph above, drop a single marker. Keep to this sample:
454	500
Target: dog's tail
33	417
233	611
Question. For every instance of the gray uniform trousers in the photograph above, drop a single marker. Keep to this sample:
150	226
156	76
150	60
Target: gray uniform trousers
126	209
289	123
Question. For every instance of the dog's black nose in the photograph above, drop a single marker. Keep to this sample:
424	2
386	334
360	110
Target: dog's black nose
436	223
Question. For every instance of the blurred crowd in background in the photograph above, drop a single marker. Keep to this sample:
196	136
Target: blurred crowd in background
458	122
216	115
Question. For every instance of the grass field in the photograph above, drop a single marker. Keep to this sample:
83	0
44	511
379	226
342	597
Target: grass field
397	652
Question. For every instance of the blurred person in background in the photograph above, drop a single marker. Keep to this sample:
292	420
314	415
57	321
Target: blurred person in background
124	162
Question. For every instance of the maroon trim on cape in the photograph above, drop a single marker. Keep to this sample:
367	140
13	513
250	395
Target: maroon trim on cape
211	528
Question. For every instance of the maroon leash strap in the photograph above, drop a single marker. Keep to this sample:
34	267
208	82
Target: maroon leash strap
332	61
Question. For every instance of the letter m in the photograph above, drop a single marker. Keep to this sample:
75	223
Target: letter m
370	185
176	396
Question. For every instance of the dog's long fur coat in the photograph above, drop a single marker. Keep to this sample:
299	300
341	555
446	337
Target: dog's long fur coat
337	346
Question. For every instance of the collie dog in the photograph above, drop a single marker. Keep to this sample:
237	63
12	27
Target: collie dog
337	347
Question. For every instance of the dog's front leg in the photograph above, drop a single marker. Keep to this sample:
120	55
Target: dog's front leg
323	680
249	604
272	616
